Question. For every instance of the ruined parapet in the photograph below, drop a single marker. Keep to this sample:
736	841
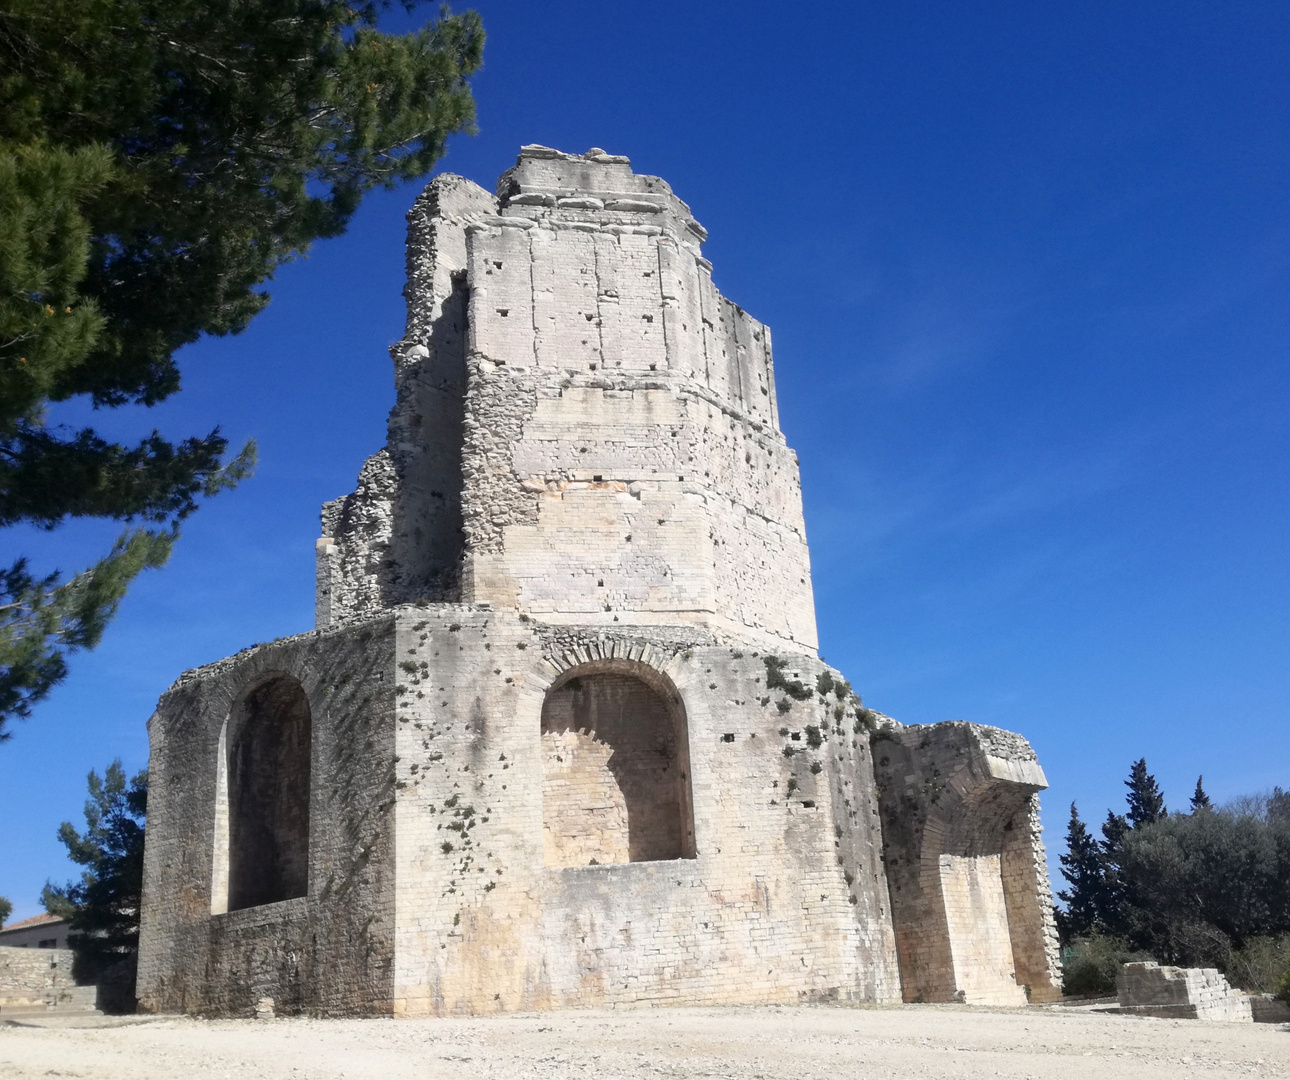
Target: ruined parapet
1147	989
965	863
398	538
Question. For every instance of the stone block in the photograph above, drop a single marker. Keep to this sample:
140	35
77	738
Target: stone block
1267	1009
1148	989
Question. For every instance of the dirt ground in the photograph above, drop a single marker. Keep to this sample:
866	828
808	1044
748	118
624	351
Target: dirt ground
802	1043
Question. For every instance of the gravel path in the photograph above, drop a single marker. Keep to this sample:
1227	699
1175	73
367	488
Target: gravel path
804	1043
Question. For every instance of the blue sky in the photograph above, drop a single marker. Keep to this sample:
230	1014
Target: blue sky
1028	272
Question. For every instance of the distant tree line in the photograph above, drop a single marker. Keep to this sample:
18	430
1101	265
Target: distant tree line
1205	887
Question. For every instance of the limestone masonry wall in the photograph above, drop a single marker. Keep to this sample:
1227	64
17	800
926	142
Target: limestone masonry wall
1181	993
585	429
772	906
328	951
31	977
969	885
562	737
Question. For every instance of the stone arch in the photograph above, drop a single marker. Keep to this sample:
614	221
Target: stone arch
616	766
264	785
965	864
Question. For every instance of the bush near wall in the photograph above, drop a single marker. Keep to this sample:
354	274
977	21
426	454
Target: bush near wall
1090	964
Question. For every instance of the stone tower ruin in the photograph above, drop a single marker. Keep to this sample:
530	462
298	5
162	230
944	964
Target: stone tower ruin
561	736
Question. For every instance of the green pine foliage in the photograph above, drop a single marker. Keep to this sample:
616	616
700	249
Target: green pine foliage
1146	803
6	909
104	905
1199	800
158	162
41	621
1083	866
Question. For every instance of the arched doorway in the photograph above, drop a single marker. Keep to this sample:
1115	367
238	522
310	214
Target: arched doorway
615	753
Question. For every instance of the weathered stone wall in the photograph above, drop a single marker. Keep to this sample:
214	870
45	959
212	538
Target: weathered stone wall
965	861
35	977
399	537
610	417
430	889
1036	957
1267	1009
783	900
330	950
1180	993
976	925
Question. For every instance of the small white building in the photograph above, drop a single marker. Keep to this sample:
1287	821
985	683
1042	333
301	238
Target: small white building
38	932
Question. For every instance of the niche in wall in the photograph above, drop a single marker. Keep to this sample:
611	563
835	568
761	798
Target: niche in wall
615	767
262	824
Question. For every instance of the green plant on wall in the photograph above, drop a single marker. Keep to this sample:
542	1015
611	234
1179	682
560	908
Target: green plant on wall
776	680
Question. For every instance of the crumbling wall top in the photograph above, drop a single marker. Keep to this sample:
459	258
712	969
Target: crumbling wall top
595	181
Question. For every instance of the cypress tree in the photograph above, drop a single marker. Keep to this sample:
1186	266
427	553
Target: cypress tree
1146	803
1114	829
1200	800
1084	867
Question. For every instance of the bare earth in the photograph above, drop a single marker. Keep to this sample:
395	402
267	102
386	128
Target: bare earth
802	1043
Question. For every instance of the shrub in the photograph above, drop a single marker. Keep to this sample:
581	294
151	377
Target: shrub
775	680
1262	966
1090	964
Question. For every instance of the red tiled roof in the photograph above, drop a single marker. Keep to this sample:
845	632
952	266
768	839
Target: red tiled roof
35	920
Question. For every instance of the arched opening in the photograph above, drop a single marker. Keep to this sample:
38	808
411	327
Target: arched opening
267	782
615	755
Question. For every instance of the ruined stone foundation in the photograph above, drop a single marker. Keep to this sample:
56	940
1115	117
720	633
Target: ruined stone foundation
1147	989
562	737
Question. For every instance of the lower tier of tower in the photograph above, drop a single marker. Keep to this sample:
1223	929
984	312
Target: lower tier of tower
455	810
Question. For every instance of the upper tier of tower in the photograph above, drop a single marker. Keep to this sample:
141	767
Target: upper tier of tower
585	428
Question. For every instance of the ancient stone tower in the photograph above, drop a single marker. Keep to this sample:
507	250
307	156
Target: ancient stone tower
561	736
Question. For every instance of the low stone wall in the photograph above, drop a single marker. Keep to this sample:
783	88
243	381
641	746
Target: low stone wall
1180	993
35	977
1269	1010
